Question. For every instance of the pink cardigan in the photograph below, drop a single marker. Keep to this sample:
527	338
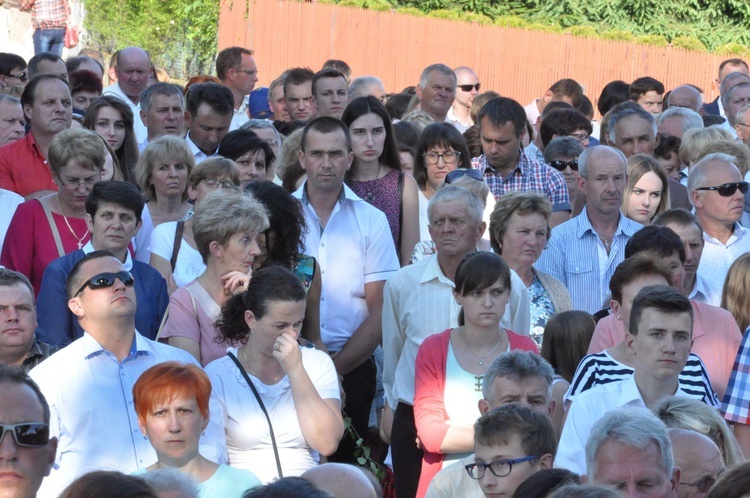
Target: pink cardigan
429	410
716	339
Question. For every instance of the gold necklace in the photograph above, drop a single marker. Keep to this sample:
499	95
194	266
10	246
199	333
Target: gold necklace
247	362
80	240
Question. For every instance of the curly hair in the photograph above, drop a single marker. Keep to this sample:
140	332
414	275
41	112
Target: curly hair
286	221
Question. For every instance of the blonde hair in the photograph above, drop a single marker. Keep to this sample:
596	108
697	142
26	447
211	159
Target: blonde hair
740	151
81	145
522	203
288	155
735	297
693	141
214	167
163	148
639	165
694	415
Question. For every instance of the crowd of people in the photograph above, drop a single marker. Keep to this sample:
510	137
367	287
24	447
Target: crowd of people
219	290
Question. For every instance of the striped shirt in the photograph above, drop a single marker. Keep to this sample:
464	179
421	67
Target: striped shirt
572	257
602	368
529	175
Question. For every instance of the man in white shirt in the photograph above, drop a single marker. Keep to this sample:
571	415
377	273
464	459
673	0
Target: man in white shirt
660	336
236	68
436	91
630	451
717	191
88	384
419	302
356	254
133	70
467	87
209	115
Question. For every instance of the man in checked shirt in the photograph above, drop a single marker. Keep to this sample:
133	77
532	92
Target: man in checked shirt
49	18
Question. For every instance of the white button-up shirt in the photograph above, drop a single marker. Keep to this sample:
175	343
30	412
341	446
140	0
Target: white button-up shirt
140	130
587	408
90	395
198	154
355	248
717	257
240	116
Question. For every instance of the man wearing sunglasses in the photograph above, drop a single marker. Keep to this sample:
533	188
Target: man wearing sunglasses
89	383
467	87
26	450
699	461
717	191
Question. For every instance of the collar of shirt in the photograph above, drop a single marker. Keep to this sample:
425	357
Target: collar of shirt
701	291
521	165
128	264
243	106
433	271
92	348
624	225
36	352
451	116
629	392
30	142
738	232
345	194
197	153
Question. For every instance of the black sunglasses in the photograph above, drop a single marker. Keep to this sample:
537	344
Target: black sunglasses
561	165
703	485
32	435
728	189
104	280
468	88
458	173
21	76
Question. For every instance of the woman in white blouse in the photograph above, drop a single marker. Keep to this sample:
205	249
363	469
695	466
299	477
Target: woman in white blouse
297	385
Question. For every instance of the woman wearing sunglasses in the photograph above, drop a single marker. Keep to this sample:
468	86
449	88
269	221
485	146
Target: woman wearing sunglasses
520	230
174	252
562	154
441	149
647	191
13	76
171	401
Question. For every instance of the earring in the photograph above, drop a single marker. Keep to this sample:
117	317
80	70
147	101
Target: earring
145	436
619	317
203	432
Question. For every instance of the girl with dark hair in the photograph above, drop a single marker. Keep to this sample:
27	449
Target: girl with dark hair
298	384
252	154
279	244
375	174
111	118
441	149
450	366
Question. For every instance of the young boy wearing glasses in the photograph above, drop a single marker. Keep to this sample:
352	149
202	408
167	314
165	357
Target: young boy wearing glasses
511	443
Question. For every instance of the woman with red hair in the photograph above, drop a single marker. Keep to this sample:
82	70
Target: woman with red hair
171	400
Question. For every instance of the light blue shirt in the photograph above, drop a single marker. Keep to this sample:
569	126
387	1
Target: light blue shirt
572	257
90	395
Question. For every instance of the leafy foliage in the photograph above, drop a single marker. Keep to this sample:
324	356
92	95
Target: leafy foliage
180	36
716	25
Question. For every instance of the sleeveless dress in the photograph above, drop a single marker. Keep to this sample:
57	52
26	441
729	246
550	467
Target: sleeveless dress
383	194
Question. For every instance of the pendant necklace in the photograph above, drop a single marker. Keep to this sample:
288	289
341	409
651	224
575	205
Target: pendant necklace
244	356
80	240
369	197
480	359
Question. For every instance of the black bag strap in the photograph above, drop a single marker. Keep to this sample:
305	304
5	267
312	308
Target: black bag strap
262	407
177	243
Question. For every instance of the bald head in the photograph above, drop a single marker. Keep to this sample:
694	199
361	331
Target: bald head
133	69
698	458
341	480
686	96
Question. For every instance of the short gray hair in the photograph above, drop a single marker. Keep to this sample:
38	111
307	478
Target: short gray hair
516	364
636	428
170	479
359	87
562	147
689	118
629	112
165	89
583	159
725	90
440	68
698	172
254	124
741	114
457	194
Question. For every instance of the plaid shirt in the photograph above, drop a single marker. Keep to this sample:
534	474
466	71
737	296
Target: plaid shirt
39	352
736	405
47	14
528	176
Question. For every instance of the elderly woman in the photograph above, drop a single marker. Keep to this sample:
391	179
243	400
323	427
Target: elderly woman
225	230
647	191
276	404
173	249
49	227
162	174
520	229
252	154
171	400
111	118
441	149
562	154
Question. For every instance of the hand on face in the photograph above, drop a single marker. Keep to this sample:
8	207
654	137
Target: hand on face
286	351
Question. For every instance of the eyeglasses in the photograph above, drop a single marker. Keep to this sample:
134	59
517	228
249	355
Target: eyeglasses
563	165
581	137
499	468
703	484
105	280
76	183
21	76
248	72
468	88
30	435
458	173
213	184
728	189
449	157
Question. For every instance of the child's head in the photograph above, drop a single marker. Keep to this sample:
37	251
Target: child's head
507	434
